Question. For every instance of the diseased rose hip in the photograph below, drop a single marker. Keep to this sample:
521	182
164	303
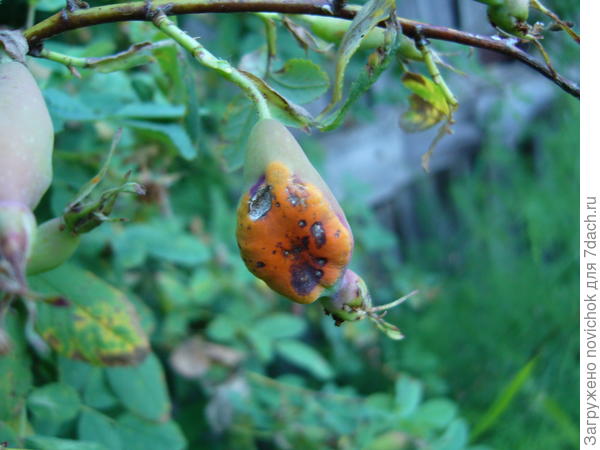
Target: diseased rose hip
293	234
291	231
291	237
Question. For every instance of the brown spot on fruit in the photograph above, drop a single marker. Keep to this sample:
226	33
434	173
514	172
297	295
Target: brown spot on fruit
318	232
260	203
304	278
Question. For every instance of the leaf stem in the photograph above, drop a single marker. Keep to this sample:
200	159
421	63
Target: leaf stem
435	72
207	59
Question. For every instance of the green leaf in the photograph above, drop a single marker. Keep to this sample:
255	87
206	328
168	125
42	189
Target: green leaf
75	373
68	107
98	324
15	370
434	414
172	135
301	80
377	63
409	393
161	239
49	5
454	438
305	357
97	393
52	405
142	389
144	435
148	111
8	435
96	427
279	326
52	443
367	18
504	399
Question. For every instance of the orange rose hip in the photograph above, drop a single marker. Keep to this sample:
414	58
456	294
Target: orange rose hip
290	236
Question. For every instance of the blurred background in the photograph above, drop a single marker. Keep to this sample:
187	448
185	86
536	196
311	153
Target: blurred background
488	237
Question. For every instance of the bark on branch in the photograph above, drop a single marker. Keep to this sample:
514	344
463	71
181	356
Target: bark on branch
65	21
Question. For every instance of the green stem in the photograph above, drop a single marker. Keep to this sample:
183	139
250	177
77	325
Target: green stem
435	74
204	57
271	35
93	62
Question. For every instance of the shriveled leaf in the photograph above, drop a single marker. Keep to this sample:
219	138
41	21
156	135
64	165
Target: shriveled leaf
194	356
428	104
301	80
171	134
142	389
14	44
305	38
138	54
140	434
306	357
367	18
283	109
52	405
96	323
420	115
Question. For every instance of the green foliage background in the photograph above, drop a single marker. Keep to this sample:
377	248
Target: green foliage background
490	359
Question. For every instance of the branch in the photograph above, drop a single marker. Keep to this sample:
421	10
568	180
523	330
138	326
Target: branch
65	21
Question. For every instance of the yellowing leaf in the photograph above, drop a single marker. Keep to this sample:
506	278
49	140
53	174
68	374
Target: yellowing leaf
428	104
96	323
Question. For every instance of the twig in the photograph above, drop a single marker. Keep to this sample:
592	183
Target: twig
65	21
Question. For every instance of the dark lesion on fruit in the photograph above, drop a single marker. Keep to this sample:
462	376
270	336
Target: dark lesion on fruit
304	278
318	233
297	194
260	264
260	202
321	262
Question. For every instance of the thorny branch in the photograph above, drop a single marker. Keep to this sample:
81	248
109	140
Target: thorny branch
66	20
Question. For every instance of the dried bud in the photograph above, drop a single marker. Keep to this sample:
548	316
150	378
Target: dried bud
17	230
